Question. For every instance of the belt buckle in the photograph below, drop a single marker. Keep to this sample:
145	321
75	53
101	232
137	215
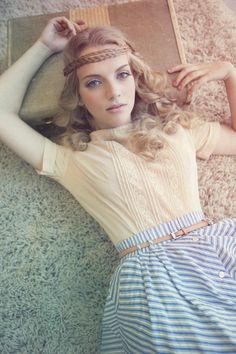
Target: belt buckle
174	236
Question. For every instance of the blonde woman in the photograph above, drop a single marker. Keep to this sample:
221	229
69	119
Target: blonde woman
128	155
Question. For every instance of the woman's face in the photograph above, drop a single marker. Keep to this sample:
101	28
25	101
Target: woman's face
107	89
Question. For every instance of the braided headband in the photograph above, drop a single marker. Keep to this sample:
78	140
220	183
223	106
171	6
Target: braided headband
95	57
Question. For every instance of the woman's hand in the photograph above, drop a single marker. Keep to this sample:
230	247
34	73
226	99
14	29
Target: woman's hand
193	76
58	32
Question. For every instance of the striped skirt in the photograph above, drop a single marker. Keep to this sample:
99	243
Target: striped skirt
178	296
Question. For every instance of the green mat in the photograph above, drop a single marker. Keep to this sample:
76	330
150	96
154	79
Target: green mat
55	267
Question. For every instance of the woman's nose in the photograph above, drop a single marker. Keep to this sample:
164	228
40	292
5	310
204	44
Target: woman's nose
112	91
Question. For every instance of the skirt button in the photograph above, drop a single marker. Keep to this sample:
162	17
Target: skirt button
195	239
221	274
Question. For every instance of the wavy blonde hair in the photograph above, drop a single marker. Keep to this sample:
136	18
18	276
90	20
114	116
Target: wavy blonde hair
154	107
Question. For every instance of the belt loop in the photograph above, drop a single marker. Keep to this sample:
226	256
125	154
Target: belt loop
184	231
209	221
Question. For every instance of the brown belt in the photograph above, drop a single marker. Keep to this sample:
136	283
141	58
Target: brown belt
171	236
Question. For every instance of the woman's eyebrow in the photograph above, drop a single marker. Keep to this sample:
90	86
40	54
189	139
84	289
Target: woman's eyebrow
97	75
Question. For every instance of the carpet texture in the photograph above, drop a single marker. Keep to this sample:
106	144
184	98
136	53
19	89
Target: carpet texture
56	261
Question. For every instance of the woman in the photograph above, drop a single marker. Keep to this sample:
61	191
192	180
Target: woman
130	160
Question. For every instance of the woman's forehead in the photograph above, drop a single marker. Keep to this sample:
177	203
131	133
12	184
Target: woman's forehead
103	67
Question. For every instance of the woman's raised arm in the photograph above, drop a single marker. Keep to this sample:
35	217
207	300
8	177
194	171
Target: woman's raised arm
15	133
193	76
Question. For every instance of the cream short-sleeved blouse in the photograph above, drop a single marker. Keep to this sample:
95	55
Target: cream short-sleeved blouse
124	193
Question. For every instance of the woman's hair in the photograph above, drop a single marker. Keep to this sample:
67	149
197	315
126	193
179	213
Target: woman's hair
154	108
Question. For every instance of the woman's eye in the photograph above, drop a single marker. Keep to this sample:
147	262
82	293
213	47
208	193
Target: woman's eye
124	74
93	83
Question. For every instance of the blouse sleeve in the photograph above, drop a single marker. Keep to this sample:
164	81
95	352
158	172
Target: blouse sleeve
55	160
205	137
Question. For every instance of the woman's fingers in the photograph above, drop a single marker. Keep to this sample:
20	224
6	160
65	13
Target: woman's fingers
66	27
185	74
188	75
58	32
187	78
193	76
60	24
80	22
191	72
79	25
177	68
195	85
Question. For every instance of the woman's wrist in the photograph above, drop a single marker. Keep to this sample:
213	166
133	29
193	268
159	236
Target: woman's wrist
231	72
45	49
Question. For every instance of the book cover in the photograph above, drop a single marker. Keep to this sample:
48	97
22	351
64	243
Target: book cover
151	25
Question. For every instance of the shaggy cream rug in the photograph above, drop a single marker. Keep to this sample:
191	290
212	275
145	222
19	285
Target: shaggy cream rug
56	262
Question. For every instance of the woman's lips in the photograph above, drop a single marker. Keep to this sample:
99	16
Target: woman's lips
116	108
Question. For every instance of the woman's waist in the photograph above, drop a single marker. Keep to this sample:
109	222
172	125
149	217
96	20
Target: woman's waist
161	229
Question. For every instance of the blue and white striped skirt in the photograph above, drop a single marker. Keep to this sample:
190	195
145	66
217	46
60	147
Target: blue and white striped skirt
177	296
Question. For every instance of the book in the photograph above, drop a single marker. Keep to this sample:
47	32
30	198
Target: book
151	25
